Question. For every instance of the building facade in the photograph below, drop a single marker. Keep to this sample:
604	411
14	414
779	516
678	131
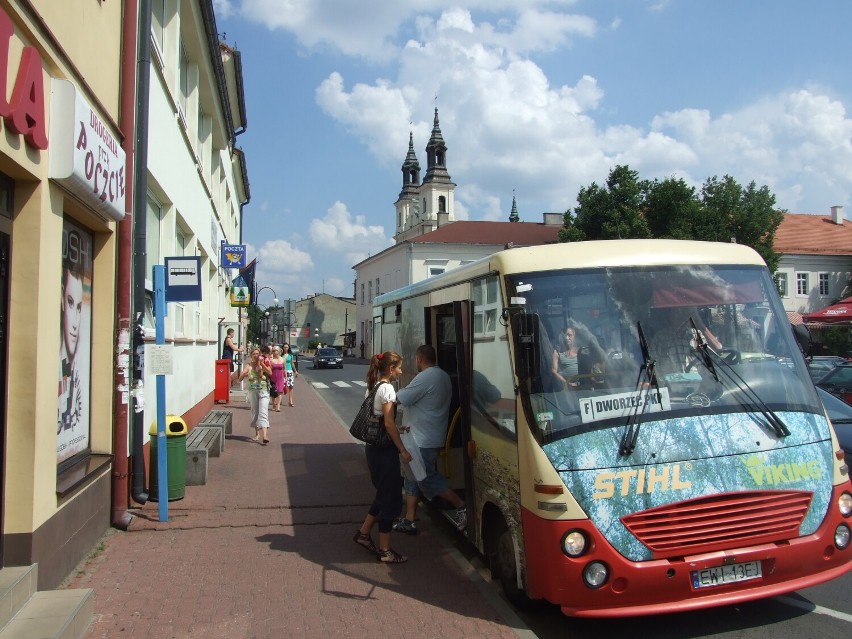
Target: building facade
815	268
66	204
196	189
62	192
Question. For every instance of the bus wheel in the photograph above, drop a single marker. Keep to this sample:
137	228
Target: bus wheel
504	568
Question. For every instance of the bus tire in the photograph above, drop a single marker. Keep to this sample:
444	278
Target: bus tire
504	568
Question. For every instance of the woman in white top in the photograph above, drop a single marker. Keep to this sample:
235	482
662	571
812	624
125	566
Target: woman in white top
383	461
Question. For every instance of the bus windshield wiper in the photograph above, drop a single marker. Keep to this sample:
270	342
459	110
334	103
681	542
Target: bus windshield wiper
710	358
702	348
647	378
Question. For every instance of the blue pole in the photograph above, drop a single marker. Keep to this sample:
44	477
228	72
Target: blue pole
162	466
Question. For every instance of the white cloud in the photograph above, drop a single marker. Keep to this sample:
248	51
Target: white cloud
223	8
796	142
344	235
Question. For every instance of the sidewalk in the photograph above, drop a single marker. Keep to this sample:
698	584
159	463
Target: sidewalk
265	549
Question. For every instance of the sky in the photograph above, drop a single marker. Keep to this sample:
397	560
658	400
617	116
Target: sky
536	99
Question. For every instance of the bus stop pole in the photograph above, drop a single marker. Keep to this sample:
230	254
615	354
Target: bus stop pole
160	324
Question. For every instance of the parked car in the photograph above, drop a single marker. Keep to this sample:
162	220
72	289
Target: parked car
838	381
840	414
328	358
820	365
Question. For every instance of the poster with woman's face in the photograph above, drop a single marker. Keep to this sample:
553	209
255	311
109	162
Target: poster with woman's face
75	342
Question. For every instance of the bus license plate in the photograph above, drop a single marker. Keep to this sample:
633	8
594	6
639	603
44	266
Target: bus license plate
720	575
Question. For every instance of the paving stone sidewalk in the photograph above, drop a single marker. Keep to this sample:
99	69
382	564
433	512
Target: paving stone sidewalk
264	550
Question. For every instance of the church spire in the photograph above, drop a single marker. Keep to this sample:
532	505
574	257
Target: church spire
436	156
513	216
410	167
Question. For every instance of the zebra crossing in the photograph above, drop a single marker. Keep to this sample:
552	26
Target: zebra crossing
339	384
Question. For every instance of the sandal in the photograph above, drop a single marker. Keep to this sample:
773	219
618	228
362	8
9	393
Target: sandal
390	556
364	540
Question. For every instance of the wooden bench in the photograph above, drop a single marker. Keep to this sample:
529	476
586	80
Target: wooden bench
202	443
220	418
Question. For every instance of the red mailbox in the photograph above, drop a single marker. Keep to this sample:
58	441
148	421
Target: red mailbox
222	392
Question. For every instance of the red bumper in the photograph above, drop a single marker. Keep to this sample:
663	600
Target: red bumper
662	586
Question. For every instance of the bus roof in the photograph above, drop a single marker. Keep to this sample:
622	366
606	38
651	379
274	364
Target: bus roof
594	254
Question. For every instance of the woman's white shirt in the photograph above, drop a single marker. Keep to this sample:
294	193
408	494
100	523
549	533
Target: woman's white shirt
385	393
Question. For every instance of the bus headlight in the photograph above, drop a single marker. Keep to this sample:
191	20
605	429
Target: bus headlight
574	543
844	503
596	574
841	536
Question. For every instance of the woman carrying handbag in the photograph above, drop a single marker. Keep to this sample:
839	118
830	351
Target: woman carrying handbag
383	461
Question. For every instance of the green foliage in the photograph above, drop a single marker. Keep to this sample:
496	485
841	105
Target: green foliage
724	211
612	212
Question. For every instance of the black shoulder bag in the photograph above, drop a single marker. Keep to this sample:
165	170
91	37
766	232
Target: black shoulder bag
370	428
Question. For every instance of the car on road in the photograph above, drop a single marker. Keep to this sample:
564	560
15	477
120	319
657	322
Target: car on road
328	358
838	381
820	365
840	414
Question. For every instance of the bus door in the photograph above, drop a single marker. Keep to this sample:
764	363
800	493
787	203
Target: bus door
450	342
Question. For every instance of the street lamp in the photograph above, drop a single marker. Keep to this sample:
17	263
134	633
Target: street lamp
261	319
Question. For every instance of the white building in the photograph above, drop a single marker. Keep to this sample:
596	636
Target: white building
197	186
816	260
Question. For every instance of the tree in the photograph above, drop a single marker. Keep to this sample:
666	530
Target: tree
746	216
671	208
628	208
612	212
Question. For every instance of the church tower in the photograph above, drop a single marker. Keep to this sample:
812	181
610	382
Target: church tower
422	208
408	202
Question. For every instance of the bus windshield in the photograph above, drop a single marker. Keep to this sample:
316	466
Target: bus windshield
638	344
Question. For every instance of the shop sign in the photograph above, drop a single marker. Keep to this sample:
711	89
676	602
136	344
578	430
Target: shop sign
233	256
24	113
85	157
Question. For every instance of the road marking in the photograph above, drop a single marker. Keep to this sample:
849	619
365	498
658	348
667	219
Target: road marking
319	385
812	607
341	384
360	382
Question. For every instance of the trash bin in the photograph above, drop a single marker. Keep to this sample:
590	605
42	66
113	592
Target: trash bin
176	431
222	390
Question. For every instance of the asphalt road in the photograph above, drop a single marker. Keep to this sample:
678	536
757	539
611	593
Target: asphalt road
823	612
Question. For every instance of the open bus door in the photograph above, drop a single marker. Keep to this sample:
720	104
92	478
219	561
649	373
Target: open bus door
461	313
452	347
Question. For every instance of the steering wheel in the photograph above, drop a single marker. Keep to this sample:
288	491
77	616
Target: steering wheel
730	355
585	380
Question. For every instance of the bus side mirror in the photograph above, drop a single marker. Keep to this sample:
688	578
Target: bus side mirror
525	328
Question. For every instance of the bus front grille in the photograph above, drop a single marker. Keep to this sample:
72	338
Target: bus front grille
722	521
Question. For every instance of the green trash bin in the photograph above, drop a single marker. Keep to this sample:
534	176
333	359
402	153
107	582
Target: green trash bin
176	431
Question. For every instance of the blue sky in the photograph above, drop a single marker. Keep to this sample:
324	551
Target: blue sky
535	97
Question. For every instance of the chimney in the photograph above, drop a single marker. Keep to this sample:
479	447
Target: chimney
837	214
554	219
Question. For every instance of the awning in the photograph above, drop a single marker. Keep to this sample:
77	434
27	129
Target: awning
840	313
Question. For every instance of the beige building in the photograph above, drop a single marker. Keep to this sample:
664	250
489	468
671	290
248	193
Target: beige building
63	188
66	195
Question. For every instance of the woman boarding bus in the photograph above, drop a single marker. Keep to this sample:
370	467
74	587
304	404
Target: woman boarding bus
688	461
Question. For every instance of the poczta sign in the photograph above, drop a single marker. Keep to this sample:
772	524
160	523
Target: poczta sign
24	113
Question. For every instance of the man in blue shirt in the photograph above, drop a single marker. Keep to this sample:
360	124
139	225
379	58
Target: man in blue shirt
427	409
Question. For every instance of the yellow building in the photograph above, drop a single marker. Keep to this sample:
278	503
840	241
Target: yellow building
63	189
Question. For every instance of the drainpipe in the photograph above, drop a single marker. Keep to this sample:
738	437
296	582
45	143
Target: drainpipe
120	517
140	256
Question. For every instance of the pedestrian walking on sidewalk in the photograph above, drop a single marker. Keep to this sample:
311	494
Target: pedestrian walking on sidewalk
426	400
291	372
383	461
279	380
259	375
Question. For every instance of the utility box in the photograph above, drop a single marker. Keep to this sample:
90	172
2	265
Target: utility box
222	390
